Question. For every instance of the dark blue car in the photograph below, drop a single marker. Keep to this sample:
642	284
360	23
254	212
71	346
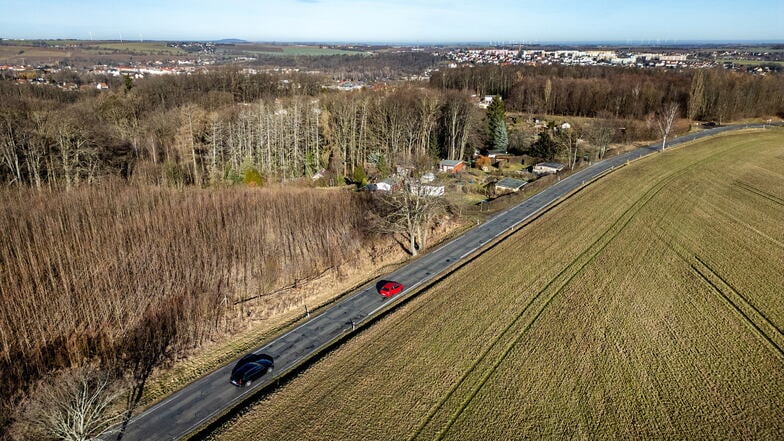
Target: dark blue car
249	368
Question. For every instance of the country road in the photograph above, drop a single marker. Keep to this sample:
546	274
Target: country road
209	397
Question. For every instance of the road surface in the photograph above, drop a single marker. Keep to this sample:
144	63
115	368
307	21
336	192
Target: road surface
207	398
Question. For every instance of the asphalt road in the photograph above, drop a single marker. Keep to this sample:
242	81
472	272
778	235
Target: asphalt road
208	397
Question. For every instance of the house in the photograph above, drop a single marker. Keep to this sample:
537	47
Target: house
547	168
506	185
101	86
450	166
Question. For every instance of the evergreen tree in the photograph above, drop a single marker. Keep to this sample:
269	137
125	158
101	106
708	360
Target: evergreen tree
496	125
500	136
359	177
545	147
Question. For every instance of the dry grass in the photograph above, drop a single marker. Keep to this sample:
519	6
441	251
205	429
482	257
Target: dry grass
649	306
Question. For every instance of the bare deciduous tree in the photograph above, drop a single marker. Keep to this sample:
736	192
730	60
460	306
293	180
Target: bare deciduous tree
568	138
411	212
664	119
601	135
75	406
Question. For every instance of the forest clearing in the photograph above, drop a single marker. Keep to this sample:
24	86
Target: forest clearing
647	306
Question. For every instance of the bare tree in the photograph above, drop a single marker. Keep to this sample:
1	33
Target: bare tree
411	212
568	137
664	119
697	96
76	152
600	135
76	406
457	124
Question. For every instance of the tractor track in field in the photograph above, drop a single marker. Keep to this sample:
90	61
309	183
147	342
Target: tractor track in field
730	296
745	309
735	300
602	242
739	221
763	194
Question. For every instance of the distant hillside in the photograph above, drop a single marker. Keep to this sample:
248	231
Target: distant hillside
230	41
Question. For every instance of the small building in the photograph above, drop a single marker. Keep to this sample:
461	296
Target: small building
548	168
506	185
451	166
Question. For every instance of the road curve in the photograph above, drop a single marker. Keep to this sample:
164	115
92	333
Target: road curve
210	396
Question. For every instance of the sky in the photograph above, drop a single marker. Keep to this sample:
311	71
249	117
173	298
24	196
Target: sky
409	21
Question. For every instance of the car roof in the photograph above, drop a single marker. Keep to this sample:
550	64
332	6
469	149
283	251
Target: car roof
249	359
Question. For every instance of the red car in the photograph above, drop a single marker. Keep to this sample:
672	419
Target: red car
390	289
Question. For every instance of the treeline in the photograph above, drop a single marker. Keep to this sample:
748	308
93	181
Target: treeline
620	92
222	128
225	126
84	273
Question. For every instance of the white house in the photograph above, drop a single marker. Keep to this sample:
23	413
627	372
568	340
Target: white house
548	168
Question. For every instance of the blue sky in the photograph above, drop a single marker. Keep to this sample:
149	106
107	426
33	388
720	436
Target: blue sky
397	20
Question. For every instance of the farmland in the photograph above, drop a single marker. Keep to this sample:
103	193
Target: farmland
647	306
288	50
140	48
49	51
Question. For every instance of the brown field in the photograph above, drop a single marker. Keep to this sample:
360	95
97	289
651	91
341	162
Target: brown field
14	52
649	306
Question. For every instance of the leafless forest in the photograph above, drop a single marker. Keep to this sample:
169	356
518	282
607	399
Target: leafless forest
83	272
214	128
